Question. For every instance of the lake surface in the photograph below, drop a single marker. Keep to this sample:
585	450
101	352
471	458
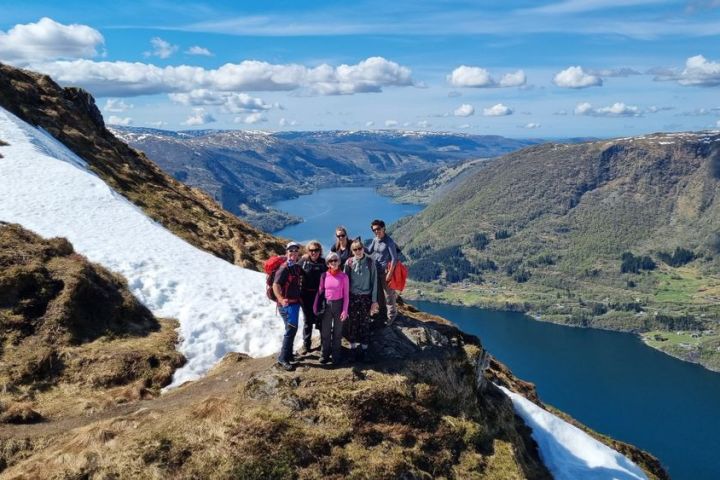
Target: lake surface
609	381
353	207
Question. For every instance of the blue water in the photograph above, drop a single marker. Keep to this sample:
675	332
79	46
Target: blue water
609	381
353	207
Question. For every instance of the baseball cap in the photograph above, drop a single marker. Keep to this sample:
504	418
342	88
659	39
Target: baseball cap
292	245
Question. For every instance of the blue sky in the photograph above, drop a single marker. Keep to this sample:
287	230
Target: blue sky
516	68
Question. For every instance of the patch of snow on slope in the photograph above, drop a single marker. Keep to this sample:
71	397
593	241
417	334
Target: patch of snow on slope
221	307
568	452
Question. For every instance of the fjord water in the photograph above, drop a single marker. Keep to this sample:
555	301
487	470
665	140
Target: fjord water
610	381
353	207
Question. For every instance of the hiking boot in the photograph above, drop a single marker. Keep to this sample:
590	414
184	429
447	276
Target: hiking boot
285	365
304	350
325	360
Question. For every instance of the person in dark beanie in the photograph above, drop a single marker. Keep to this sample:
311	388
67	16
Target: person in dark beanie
287	288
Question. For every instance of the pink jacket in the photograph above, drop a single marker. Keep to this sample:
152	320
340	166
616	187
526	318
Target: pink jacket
335	287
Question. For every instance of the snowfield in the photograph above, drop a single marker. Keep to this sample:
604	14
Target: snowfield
221	308
568	452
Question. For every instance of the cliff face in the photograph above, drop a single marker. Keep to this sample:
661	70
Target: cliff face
71	116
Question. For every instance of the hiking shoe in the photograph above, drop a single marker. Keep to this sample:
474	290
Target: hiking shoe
305	350
285	365
325	360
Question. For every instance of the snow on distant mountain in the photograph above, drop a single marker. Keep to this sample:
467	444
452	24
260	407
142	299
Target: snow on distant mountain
245	171
221	307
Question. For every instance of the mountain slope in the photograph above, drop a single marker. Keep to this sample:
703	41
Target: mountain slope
426	406
246	171
70	115
549	225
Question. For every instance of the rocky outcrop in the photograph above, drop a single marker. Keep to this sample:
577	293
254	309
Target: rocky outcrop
71	116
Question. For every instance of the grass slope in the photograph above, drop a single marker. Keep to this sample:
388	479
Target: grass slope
555	221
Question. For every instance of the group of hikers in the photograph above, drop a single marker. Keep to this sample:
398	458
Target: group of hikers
338	293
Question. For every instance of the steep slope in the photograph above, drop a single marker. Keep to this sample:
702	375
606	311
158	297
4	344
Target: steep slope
68	326
221	307
246	171
549	225
70	115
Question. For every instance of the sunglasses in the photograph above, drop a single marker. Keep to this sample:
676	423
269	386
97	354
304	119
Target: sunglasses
341	235
313	250
357	249
294	250
333	261
377	229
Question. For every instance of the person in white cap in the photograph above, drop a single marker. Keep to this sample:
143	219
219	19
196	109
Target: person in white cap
287	287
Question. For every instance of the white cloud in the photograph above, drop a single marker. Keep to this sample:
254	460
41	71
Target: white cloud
579	6
463	126
717	124
231	102
158	124
116	105
561	113
614	72
617	109
423	124
516	79
284	122
123	79
498	110
369	124
199	117
252	119
161	48
197	50
476	77
532	125
575	77
464	110
48	40
700	72
123	121
391	123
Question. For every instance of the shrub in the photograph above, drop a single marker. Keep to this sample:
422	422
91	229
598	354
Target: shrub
502	234
633	264
480	241
680	257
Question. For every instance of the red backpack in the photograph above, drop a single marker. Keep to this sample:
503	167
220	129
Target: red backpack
271	266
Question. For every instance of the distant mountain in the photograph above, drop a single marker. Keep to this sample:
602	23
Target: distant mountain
246	171
616	234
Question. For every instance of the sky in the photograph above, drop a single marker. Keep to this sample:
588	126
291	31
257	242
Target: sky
551	69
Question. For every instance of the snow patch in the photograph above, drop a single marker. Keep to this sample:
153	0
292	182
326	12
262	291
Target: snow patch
221	307
568	452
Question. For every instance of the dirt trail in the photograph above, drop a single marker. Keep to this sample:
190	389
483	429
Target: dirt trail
215	384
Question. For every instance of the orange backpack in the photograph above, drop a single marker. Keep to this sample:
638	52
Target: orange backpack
399	277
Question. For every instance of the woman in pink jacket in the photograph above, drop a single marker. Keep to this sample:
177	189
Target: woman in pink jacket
335	287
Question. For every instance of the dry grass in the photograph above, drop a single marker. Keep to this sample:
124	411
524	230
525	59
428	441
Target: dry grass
72	330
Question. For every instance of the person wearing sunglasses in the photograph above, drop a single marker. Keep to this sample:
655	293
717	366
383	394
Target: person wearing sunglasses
384	251
342	245
335	286
361	270
313	266
287	286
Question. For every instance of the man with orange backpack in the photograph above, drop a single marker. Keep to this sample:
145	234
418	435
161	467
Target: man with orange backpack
286	288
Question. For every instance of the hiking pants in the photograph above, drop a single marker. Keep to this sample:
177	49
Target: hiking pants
387	298
331	332
290	316
358	328
310	319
